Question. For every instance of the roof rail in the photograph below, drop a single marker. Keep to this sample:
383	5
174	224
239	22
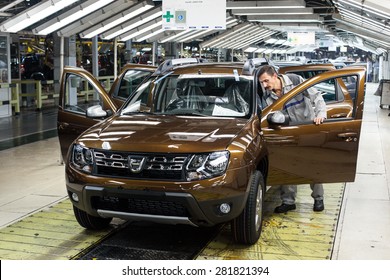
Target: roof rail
168	64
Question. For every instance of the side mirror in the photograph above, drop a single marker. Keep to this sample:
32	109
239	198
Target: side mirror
96	112
278	118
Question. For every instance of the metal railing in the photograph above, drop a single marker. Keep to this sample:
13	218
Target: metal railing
40	90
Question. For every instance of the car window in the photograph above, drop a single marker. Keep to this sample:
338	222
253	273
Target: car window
80	94
337	96
130	81
329	90
226	96
350	83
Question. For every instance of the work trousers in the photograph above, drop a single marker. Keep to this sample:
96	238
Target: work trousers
289	192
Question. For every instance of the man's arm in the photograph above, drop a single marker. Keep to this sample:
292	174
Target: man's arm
319	105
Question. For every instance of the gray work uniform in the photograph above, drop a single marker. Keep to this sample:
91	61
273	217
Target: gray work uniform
299	108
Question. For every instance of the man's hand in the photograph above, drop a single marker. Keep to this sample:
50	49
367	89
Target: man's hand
318	120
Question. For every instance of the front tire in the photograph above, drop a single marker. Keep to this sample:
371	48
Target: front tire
246	228
89	221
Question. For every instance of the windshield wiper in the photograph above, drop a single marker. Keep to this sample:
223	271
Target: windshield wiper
138	112
192	114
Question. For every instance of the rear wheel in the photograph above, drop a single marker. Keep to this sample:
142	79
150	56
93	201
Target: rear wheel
89	221
246	228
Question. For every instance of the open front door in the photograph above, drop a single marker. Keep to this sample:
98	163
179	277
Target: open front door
307	153
79	91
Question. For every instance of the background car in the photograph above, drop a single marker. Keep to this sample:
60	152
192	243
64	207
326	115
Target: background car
36	66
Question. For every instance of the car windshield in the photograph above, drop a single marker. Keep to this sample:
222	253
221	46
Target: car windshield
198	95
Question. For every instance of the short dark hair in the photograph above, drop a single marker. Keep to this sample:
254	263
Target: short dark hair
267	69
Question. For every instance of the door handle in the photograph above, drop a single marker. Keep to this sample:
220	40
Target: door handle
348	136
340	115
63	125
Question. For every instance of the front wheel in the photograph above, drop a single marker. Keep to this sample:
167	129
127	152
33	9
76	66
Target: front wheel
246	228
89	221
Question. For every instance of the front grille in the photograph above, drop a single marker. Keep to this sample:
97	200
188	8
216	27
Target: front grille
139	166
140	206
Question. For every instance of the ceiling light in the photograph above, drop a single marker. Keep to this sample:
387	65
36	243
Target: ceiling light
278	11
250	49
133	23
95	18
284	18
71	16
232	5
176	35
153	32
140	30
34	14
116	20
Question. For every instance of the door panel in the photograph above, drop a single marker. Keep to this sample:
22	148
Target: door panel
79	91
308	153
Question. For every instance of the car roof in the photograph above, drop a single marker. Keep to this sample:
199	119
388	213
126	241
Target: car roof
197	66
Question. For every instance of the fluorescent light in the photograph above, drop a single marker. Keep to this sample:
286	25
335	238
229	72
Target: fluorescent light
140	30
242	38
176	35
259	37
191	36
270	41
250	49
278	11
95	18
34	14
71	16
232	5
153	32
364	7
284	18
133	23
116	20
220	37
359	17
9	6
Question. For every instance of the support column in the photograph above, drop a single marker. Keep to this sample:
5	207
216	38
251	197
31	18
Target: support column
5	75
154	53
64	54
115	58
95	57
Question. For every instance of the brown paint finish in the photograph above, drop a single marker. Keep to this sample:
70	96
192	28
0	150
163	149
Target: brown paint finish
143	153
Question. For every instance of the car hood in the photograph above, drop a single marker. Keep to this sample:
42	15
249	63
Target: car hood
167	134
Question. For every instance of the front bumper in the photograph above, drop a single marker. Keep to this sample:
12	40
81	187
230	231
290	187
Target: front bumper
157	206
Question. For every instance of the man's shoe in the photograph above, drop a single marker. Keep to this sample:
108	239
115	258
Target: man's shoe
318	205
284	208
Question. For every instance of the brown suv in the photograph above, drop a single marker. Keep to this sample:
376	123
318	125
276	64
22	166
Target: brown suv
193	145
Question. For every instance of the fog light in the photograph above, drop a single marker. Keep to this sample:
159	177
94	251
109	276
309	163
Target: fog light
224	208
75	197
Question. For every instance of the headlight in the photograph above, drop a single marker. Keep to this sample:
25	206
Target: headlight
82	158
204	166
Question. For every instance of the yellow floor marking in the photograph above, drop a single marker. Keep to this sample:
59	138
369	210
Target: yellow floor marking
49	234
297	235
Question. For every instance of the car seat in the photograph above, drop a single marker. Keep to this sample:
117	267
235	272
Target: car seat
234	99
189	97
